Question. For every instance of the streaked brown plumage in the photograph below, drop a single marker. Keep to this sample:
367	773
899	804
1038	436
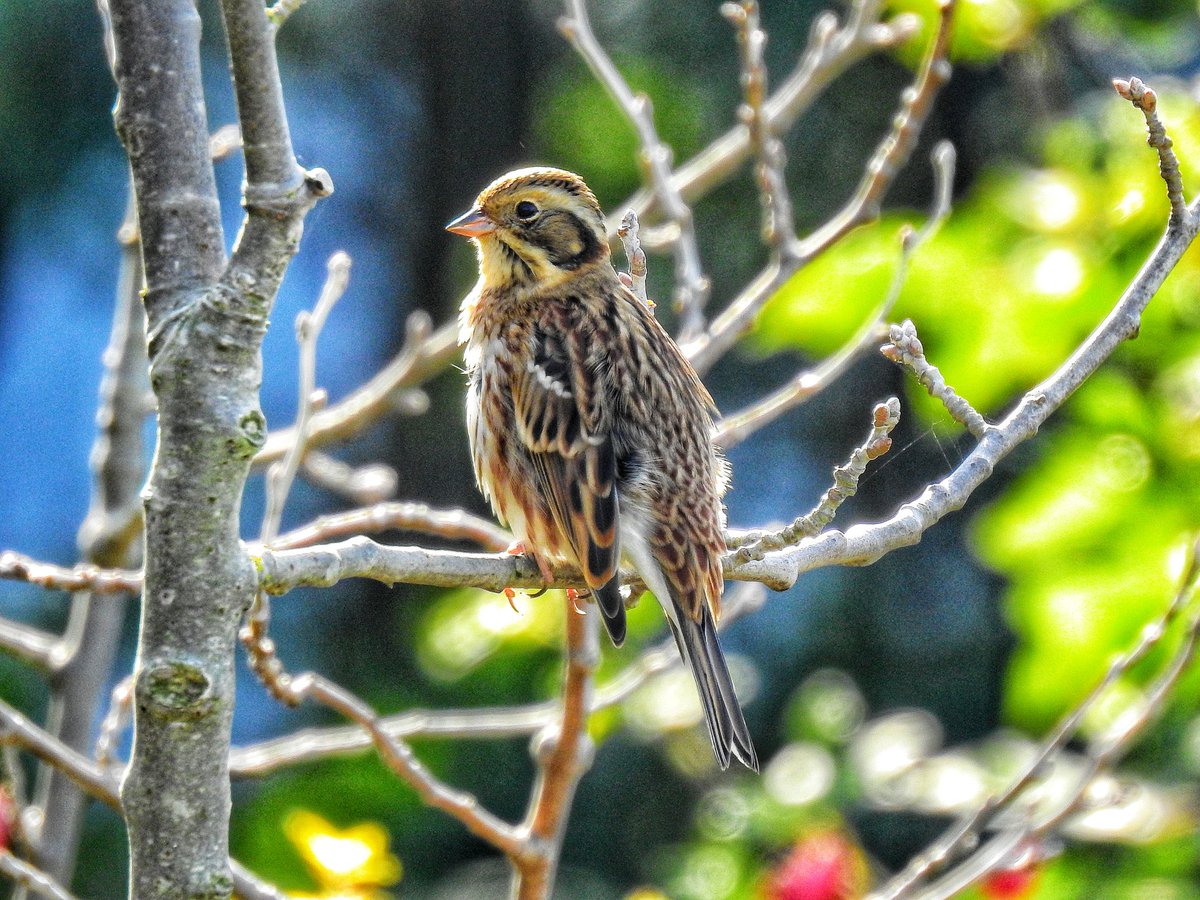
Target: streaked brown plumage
591	433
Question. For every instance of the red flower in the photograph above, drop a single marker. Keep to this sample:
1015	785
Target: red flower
8	818
1009	884
824	865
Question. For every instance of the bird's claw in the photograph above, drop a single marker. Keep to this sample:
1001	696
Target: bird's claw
510	596
573	596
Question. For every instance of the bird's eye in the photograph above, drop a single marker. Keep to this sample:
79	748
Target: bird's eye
526	210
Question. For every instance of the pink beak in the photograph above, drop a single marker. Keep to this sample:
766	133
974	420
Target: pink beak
472	224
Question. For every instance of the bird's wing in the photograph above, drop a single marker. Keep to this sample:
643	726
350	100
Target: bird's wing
560	418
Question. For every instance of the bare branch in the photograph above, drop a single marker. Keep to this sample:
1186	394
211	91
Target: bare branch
890	157
109	536
16	729
308	331
904	348
755	545
736	427
120	710
456	524
1102	754
425	353
778	226
83	577
691	284
628	233
31	877
484	723
29	644
364	485
563	751
400	758
831	51
859	545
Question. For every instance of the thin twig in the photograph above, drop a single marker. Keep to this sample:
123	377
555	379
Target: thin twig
456	524
364	485
904	348
778	226
280	11
831	51
889	158
308	332
32	878
120	710
1102	754
736	427
401	760
83	577
255	633
756	544
691	284
628	233
28	644
425	353
1144	98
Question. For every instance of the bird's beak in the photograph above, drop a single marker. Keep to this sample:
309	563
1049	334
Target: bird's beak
472	224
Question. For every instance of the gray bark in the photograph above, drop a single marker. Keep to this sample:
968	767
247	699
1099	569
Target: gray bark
205	322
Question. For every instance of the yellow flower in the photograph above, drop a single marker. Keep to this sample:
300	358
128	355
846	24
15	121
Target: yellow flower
352	861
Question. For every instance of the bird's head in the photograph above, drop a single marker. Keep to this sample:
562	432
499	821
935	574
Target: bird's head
535	228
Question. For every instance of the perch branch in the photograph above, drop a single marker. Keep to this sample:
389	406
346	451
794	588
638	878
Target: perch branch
691	284
858	545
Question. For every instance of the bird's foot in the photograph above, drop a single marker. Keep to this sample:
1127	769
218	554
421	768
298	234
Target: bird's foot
518	548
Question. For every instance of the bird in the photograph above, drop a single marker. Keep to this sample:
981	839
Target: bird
590	433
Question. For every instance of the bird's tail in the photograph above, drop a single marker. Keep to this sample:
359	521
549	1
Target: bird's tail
612	608
727	729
